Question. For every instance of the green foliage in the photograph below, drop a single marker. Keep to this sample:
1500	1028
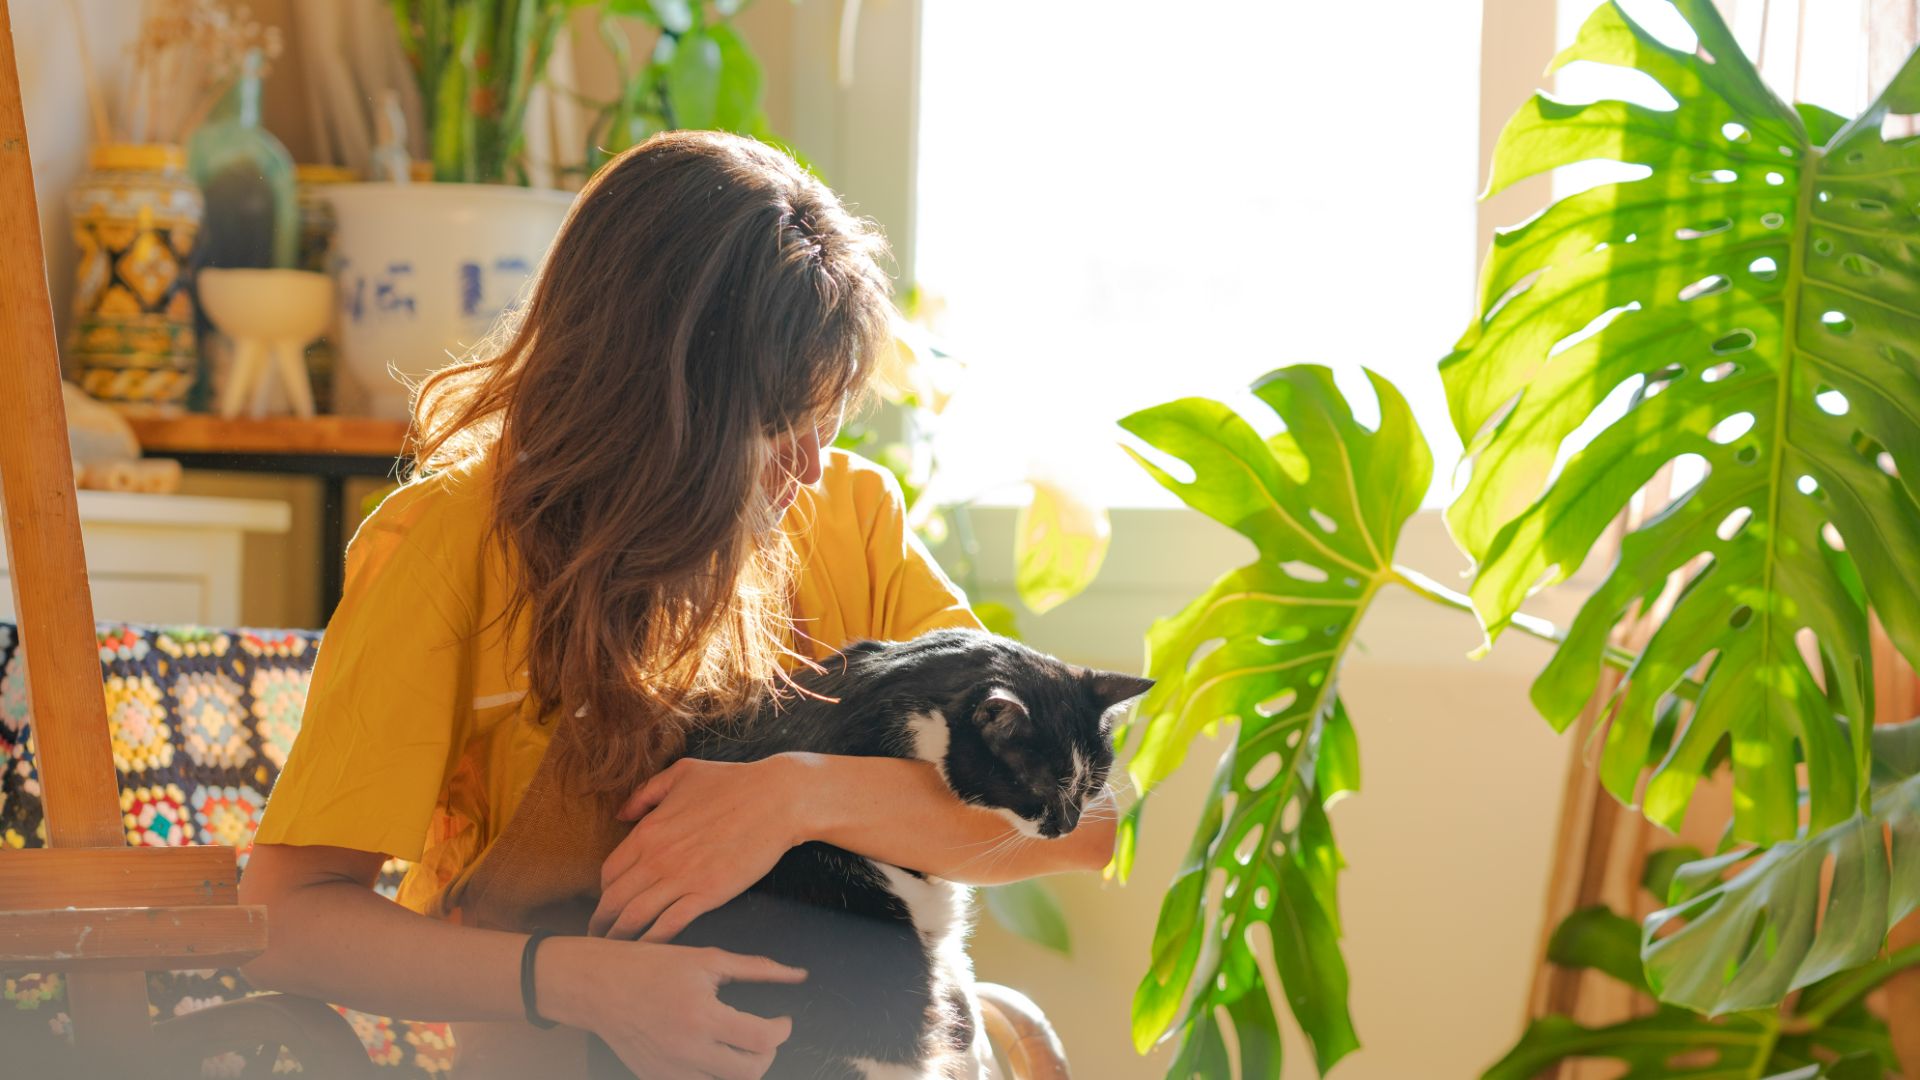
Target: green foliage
1756	278
1029	908
477	62
1749	940
1827	1033
701	75
998	618
1755	293
1323	503
1059	542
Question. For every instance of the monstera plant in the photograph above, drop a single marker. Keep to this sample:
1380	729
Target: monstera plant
1752	296
1323	503
1825	1032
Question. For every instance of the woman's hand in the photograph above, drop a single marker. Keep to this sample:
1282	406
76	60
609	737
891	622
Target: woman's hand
658	1007
706	830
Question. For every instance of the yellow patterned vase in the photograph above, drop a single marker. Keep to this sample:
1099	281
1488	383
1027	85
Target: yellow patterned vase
135	216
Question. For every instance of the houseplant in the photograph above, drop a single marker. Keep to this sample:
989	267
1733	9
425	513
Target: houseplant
425	269
1827	1031
1752	289
478	62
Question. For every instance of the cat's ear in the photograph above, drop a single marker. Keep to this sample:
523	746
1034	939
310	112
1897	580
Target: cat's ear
1000	715
1111	688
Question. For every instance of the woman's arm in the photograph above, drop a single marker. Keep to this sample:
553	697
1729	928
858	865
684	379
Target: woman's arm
657	1006
664	875
336	939
902	813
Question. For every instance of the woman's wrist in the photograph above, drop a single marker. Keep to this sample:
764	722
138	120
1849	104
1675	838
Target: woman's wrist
561	976
806	784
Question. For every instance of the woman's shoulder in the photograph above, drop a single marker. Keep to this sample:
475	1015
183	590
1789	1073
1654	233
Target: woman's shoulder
443	516
857	484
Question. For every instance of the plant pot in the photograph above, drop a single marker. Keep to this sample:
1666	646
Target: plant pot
136	214
424	270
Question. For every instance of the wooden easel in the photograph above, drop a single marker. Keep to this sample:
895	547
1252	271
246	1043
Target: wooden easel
87	905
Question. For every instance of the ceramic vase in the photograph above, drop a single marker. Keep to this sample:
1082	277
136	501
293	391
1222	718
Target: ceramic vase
424	271
317	227
136	215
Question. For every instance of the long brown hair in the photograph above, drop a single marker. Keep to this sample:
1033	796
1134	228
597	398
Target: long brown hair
705	296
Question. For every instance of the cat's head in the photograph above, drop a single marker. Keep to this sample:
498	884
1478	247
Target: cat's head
1017	731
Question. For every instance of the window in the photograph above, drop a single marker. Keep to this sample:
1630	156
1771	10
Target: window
1122	204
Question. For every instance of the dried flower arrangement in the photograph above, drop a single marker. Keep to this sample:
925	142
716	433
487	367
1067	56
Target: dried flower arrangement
186	55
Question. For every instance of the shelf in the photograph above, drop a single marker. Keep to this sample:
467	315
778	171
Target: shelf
183	511
202	434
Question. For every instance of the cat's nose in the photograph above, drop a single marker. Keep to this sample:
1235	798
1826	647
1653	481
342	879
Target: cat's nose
1063	820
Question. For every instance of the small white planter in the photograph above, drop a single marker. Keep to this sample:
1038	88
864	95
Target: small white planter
423	271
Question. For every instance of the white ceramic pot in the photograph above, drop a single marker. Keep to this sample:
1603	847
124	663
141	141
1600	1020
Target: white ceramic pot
424	270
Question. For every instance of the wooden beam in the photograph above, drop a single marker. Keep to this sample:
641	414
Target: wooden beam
119	877
49	573
131	938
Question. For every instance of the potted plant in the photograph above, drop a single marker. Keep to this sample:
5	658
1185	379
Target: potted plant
426	268
1751	287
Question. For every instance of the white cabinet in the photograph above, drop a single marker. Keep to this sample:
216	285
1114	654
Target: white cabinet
164	558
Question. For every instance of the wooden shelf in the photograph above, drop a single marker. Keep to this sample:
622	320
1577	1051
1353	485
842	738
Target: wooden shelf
197	433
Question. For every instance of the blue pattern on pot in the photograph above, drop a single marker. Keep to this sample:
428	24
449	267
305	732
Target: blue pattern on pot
424	273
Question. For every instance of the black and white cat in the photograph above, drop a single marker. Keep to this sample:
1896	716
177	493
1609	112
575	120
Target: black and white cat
888	993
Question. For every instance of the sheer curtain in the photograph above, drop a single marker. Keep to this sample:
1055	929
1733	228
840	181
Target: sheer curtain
1835	53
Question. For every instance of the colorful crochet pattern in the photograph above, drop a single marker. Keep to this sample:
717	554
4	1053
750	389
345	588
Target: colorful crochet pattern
201	724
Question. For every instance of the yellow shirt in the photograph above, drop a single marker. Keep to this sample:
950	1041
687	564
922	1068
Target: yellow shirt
417	741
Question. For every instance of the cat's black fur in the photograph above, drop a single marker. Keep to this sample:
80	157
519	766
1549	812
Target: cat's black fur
1010	729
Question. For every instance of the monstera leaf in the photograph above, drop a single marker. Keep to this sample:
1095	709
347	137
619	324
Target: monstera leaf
1759	293
1749	940
1828	1033
1059	541
1323	502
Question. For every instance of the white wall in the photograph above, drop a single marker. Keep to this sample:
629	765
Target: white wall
47	53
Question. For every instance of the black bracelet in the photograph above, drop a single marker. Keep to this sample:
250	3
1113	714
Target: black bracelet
527	996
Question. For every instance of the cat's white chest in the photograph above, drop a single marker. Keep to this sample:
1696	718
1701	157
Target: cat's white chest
938	908
939	911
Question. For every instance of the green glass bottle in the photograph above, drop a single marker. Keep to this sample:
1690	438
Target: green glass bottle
253	211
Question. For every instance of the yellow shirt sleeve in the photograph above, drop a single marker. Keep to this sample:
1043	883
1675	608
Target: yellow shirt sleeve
866	575
388	708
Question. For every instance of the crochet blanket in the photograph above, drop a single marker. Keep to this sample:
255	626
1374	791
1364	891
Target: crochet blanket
201	723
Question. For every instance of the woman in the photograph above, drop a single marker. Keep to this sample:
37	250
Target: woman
624	522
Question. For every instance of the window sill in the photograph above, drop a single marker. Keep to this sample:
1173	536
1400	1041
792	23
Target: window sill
1161	558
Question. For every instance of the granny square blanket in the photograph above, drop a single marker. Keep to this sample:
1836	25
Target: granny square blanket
201	723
